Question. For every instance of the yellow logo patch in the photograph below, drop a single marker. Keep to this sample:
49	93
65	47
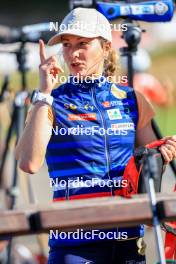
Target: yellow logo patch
117	92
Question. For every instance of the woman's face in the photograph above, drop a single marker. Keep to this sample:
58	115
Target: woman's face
84	56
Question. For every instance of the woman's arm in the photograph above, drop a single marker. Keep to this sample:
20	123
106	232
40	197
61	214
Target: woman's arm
146	135
31	147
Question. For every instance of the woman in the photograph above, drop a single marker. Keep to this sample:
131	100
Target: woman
80	149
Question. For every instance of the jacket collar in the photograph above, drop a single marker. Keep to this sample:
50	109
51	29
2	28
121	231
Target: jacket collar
87	83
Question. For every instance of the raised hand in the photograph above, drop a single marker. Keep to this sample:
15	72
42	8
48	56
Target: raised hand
48	70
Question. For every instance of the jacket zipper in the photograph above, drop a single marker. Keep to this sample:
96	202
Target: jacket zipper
67	192
105	136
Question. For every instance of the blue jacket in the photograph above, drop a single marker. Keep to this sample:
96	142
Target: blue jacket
92	141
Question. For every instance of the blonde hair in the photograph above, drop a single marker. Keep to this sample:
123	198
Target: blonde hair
111	63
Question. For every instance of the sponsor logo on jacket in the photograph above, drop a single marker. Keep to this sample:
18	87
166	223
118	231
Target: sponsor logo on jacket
114	114
126	126
82	117
86	106
120	94
112	103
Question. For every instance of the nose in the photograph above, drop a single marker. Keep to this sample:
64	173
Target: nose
74	53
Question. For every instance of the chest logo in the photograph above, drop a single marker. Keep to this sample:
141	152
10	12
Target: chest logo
106	104
125	126
114	114
86	106
82	117
120	94
70	106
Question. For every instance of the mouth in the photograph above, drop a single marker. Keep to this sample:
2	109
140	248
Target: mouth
76	64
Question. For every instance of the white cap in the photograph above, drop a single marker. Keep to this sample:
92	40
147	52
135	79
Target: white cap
83	22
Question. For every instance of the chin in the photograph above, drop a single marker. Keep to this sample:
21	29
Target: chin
80	73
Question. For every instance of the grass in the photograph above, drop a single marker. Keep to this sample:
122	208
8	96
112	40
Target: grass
163	67
164	63
166	119
32	80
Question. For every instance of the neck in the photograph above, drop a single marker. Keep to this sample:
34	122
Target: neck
92	76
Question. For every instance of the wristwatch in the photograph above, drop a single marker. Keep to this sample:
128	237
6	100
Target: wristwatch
38	96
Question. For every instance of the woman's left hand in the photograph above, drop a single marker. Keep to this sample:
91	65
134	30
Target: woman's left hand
168	149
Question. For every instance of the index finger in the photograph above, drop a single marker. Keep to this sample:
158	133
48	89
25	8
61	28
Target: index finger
42	51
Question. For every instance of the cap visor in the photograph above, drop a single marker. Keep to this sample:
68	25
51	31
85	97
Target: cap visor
57	38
